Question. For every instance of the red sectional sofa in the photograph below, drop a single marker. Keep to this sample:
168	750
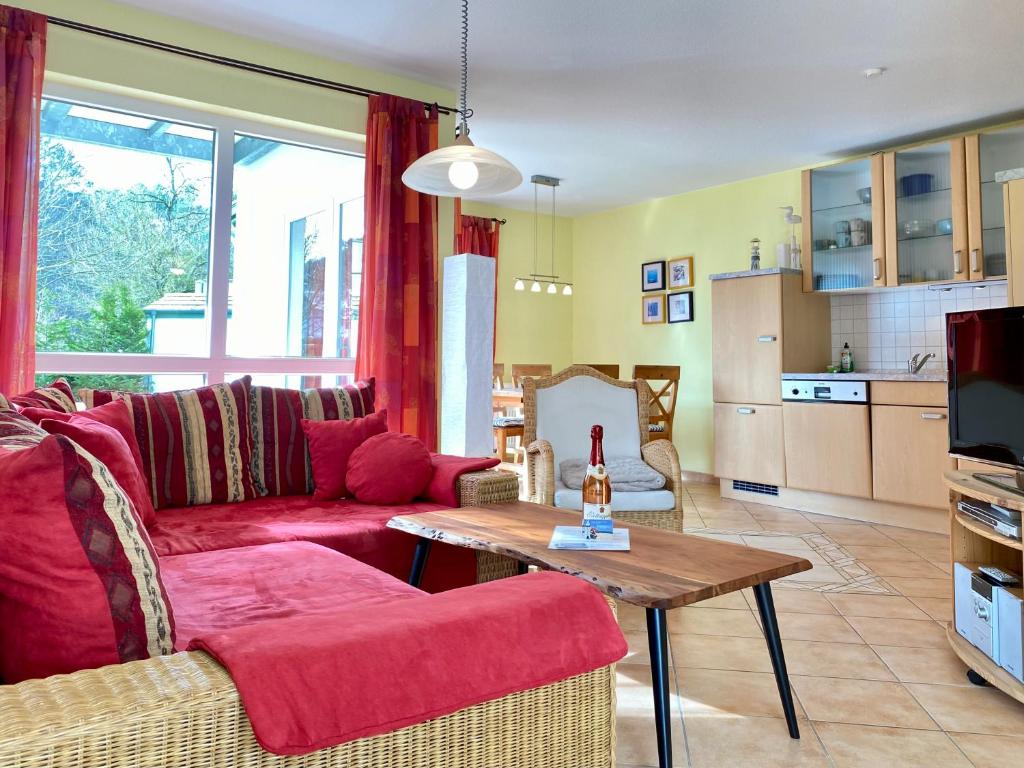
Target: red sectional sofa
262	558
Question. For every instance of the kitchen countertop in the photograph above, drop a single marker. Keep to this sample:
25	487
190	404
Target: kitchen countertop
756	272
871	374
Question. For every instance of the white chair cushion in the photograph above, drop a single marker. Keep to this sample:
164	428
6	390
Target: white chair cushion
567	411
623	501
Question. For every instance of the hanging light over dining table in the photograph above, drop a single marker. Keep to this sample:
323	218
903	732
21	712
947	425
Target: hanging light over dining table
462	169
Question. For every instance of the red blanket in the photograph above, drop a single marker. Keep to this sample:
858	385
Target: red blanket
444	486
309	683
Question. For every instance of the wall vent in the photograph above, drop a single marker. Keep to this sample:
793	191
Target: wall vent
764	490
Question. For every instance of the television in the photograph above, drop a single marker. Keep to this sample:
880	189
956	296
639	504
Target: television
985	351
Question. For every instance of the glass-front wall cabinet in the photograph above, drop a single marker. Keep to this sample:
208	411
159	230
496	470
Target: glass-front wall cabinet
843	234
926	213
991	155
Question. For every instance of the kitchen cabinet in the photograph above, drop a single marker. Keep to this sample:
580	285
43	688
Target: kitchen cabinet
749	442
1013	212
828	448
986	154
844	225
762	325
910	442
926	232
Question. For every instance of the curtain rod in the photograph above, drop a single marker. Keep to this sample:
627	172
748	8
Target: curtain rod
225	61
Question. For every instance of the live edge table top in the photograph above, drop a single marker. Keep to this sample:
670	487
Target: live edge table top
663	569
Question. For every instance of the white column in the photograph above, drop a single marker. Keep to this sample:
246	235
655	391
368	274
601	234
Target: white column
467	355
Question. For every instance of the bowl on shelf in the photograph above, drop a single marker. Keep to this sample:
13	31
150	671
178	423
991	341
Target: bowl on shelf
864	194
944	227
916	184
917	228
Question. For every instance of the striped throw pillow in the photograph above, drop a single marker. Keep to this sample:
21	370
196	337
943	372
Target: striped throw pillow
195	443
55	397
79	584
280	454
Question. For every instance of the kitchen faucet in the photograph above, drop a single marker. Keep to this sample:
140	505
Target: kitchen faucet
916	363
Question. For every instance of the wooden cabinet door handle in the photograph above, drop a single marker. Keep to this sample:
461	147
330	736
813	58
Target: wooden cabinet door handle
767	339
878	269
974	260
958	262
745	411
933	416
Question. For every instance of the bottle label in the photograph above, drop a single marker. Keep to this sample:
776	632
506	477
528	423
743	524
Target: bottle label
598	516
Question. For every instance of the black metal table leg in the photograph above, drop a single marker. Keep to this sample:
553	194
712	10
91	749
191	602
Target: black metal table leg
766	607
522	567
657	639
419	561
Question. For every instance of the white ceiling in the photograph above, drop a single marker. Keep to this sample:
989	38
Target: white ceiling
633	99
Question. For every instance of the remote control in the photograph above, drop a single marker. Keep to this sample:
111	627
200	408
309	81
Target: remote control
999	576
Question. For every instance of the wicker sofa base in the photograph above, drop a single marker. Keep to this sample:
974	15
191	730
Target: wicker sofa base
183	710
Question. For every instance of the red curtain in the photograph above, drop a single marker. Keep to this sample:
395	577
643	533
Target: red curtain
398	307
24	48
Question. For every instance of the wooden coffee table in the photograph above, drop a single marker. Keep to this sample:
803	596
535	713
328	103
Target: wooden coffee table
662	570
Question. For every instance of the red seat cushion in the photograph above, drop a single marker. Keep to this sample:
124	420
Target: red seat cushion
391	468
216	591
357	530
331	444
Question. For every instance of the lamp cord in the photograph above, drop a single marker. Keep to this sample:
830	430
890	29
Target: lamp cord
464	112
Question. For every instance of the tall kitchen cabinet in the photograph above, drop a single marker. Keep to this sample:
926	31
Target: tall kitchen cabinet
762	323
1013	208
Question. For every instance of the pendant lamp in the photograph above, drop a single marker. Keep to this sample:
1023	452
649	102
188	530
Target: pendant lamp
462	169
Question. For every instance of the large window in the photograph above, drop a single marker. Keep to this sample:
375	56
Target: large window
178	247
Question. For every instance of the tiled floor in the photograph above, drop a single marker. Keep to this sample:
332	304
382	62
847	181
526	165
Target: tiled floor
875	681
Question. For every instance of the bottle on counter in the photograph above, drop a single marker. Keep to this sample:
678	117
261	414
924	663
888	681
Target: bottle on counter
846	359
597	489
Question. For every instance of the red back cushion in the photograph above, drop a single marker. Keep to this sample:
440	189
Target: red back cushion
79	583
330	446
109	446
195	443
281	464
391	468
55	397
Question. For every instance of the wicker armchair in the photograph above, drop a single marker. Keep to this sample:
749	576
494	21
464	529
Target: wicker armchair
184	710
573	404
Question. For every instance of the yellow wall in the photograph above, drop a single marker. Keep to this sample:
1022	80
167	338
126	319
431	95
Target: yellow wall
715	225
532	328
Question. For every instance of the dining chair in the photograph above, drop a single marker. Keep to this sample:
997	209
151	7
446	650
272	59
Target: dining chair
521	370
664	390
608	369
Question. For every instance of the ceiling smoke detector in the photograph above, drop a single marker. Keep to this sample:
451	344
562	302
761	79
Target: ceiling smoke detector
872	72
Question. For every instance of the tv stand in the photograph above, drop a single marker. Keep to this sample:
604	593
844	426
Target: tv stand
1012	482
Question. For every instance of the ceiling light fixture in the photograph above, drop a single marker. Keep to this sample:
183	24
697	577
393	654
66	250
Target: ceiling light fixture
462	169
873	72
552	280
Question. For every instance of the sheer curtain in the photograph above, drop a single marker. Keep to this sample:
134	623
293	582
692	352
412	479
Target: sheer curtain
398	307
24	49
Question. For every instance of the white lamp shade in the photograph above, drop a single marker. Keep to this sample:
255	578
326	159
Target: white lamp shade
432	174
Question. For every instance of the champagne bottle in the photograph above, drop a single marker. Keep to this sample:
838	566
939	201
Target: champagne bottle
597	489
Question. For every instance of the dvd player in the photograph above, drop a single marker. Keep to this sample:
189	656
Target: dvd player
1004	521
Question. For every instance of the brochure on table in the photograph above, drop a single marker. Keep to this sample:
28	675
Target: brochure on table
577	537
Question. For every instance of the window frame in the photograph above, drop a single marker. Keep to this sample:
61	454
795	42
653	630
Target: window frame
213	362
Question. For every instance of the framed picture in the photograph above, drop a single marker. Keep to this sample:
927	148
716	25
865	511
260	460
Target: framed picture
653	309
652	276
680	273
680	307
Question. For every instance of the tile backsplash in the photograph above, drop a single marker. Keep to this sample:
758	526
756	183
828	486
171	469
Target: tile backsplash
886	328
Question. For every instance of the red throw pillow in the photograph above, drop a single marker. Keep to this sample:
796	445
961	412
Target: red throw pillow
108	444
391	468
79	583
55	397
331	444
281	464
